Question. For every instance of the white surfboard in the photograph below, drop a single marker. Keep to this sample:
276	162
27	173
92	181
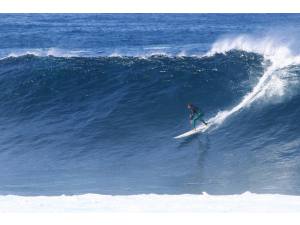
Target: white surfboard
199	129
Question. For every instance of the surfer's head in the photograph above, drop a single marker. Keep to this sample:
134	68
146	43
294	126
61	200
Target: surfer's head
189	105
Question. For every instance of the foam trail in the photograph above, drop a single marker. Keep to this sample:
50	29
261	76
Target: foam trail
279	56
257	92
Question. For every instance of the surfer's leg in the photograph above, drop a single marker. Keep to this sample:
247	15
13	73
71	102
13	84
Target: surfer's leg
193	122
199	117
202	120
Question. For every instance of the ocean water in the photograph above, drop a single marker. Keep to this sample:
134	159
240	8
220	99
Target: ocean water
90	103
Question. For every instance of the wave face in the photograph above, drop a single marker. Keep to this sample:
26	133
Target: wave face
76	122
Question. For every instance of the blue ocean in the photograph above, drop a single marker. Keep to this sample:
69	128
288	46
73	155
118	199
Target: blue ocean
91	103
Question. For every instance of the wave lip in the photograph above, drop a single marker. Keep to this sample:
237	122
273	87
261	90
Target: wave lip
280	54
147	51
56	52
246	202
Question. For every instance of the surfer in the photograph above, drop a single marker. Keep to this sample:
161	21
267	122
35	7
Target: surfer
195	114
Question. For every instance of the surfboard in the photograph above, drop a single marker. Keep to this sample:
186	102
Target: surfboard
192	132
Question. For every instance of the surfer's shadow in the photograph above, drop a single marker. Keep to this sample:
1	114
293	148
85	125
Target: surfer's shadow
202	140
200	144
204	143
203	147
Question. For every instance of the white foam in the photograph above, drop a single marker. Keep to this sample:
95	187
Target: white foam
140	52
271	86
182	53
153	53
246	202
115	54
57	52
44	52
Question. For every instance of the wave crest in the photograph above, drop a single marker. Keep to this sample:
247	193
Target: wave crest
273	85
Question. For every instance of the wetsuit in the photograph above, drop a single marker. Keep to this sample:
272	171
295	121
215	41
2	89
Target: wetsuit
196	114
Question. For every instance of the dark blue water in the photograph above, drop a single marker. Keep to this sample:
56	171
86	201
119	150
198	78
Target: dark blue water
91	103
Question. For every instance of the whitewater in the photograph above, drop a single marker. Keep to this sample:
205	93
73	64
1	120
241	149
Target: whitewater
271	85
153	203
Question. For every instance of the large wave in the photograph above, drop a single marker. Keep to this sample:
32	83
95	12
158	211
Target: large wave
104	124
